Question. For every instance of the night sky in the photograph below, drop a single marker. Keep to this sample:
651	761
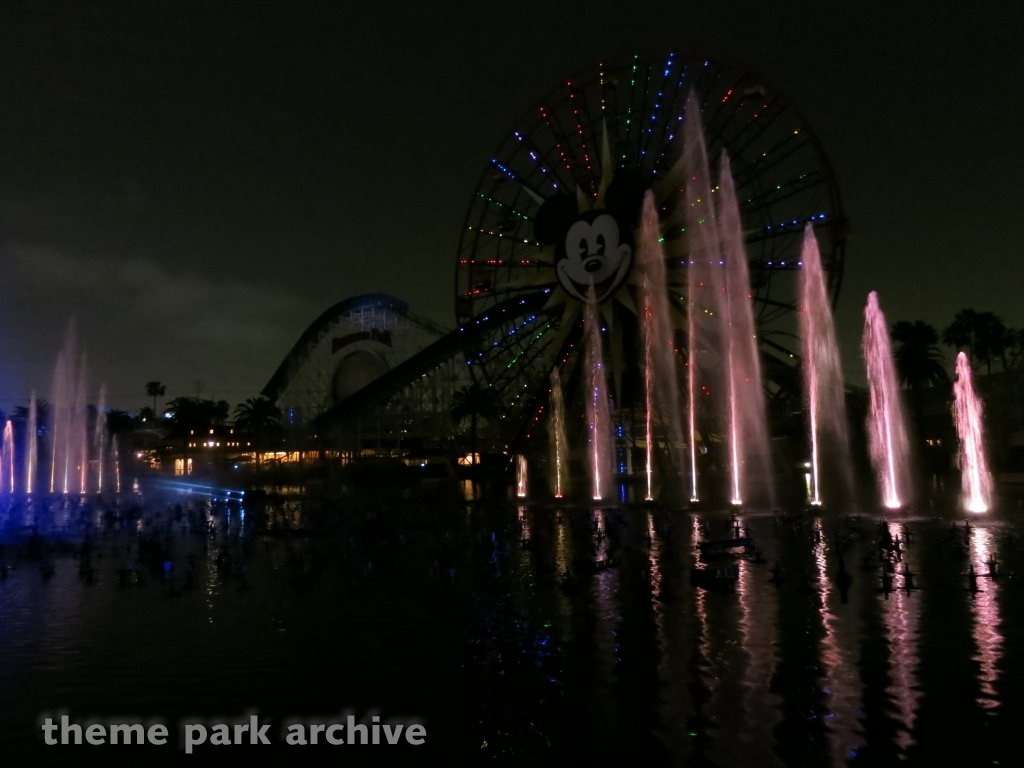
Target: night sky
196	181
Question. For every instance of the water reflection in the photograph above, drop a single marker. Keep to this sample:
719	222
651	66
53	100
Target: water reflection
549	628
985	608
758	607
901	611
838	655
605	582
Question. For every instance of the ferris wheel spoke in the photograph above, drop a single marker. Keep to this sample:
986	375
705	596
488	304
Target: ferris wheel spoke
762	166
704	88
630	105
717	122
587	159
760	125
540	158
565	152
669	124
784	229
524	361
652	104
784	191
510	174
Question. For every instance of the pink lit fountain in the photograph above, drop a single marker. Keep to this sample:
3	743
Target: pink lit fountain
887	433
7	459
751	481
557	434
823	383
703	279
32	455
661	382
598	413
975	478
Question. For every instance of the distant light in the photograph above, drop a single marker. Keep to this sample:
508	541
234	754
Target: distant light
168	415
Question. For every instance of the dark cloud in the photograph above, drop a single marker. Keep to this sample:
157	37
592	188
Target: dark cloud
196	181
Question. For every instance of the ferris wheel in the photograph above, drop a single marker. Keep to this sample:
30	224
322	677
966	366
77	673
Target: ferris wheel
614	132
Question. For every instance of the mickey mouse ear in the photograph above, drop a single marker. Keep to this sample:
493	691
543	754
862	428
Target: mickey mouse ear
625	195
554	218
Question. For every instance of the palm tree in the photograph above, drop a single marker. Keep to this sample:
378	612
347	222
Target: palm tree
919	361
983	334
258	417
997	340
155	389
185	416
120	422
960	333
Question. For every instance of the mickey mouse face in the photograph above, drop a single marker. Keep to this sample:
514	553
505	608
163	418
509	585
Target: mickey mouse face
594	256
593	247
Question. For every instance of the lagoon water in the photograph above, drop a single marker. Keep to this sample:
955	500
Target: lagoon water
519	634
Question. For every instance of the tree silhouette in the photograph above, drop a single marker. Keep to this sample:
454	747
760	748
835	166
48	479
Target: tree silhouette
960	333
189	415
155	389
997	340
259	418
983	335
120	422
919	361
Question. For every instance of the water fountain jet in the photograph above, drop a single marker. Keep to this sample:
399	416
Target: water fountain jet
822	376
100	437
7	459
557	432
887	433
598	415
701	279
975	478
33	445
661	380
68	419
748	423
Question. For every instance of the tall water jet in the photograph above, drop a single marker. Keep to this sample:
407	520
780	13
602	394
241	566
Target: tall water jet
7	459
823	376
521	476
80	430
887	434
68	432
645	321
661	381
702	278
117	464
598	415
100	437
59	421
32	455
748	424
975	478
557	433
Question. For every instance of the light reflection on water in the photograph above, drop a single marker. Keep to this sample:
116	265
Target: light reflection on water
985	607
901	612
838	655
611	587
760	706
